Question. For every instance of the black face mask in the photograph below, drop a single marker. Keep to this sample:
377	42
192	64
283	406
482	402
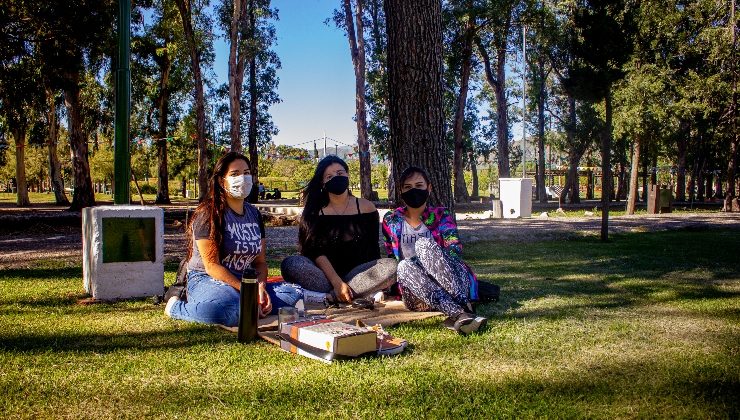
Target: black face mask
337	185
415	197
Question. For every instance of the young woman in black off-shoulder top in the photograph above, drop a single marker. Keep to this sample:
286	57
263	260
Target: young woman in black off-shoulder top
338	241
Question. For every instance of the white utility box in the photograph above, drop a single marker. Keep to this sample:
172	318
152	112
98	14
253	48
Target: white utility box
516	197
123	251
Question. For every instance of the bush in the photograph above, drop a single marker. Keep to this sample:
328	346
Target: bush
147	189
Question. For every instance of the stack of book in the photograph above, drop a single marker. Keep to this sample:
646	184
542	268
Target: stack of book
328	340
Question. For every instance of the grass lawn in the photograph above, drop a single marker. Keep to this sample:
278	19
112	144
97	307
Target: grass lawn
647	325
48	198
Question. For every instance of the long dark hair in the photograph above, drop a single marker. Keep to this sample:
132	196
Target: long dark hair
316	198
214	204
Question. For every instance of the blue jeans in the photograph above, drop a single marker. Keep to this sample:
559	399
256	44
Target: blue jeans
212	301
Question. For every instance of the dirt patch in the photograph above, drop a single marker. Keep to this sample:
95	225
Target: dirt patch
44	240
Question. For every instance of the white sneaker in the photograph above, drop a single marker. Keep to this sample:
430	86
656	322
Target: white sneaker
475	325
230	329
170	303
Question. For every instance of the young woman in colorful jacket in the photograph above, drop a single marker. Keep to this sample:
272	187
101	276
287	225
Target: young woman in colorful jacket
431	272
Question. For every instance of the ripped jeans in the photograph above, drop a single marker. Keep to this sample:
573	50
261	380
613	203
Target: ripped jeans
212	301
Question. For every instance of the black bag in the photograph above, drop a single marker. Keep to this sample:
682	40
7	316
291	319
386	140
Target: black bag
180	287
488	292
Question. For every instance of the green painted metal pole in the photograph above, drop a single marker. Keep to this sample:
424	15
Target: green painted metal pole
122	159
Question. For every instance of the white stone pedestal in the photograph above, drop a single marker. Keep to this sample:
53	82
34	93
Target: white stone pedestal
516	197
123	251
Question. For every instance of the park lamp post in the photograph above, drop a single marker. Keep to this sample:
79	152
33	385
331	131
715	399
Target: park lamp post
122	160
122	245
524	101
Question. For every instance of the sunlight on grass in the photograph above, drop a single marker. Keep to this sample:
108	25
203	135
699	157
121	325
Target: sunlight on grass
583	329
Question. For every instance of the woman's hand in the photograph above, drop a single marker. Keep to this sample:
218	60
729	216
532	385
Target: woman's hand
343	292
264	300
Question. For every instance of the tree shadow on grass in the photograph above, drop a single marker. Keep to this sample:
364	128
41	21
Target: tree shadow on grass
635	269
96	342
618	387
42	273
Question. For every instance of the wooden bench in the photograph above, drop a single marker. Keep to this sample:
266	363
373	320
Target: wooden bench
556	191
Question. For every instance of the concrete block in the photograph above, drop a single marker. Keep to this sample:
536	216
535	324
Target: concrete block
497	211
123	251
516	197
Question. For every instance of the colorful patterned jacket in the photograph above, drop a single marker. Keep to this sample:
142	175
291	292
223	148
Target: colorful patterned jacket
443	228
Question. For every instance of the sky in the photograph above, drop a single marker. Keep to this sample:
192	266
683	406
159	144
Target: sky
317	85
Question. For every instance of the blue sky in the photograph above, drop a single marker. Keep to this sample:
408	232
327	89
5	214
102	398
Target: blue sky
316	80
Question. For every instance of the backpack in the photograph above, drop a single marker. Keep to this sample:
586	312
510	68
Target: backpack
180	287
488	292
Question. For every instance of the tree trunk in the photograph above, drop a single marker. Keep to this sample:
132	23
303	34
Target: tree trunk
709	191
606	170
356	40
498	84
632	197
416	118
590	185
645	165
55	167
621	193
19	134
541	131
575	152
392	183
200	101
731	170
163	189
461	190
699	179
718	187
253	99
502	127
681	169
735	141
572	183
83	195
237	61
473	175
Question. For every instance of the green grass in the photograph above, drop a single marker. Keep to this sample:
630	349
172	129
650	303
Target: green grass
48	198
647	325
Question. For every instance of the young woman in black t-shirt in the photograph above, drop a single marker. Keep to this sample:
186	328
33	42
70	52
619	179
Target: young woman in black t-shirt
338	240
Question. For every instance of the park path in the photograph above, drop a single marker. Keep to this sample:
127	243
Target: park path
43	242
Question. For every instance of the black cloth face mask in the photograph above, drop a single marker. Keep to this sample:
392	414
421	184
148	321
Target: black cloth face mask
415	197
337	185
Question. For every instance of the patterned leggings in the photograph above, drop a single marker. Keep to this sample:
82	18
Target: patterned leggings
364	280
434	280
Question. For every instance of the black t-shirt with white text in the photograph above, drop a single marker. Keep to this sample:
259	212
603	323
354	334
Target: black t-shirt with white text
242	239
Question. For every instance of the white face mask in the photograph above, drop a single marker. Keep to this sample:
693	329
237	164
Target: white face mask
239	186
